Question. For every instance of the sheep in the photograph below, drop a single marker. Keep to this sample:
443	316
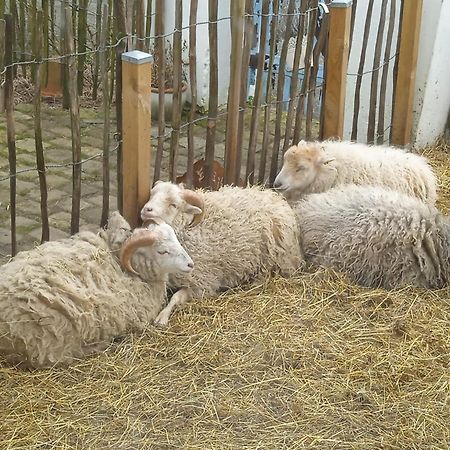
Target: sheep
198	180
67	299
313	167
233	235
379	237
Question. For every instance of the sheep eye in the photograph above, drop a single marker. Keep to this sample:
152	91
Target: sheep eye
299	169
163	252
173	205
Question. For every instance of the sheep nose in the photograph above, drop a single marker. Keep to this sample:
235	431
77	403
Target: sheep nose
191	265
276	184
148	209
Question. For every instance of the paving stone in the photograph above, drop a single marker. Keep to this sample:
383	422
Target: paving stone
54	234
61	143
28	145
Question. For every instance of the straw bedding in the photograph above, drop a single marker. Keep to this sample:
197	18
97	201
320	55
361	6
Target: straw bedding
310	362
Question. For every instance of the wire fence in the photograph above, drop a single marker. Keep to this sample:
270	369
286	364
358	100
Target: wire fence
277	79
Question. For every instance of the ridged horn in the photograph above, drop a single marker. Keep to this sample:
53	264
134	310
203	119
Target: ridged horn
194	199
143	238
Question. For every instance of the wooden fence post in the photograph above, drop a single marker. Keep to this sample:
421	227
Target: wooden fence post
406	76
336	64
136	132
237	8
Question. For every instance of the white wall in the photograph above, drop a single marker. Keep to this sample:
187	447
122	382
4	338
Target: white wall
223	42
432	101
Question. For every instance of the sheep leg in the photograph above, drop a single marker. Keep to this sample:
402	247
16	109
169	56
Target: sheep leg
178	299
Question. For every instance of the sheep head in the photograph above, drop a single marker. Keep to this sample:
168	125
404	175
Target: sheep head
168	200
156	247
301	165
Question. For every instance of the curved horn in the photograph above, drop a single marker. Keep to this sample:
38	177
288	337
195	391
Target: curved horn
194	199
143	238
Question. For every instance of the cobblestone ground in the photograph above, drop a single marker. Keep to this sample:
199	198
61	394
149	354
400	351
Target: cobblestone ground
57	150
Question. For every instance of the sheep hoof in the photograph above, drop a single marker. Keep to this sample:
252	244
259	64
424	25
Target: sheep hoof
161	321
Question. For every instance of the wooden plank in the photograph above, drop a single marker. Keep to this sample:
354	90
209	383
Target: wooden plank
140	24
307	71
82	34
250	171
249	35
337	63
22	33
98	31
176	97
63	51
10	126
193	83
46	37
40	161
268	97
237	9
384	76
119	15
294	81
148	24
402	119
362	60
2	63
375	74
136	66
319	48
280	92
105	102
160	58
213	92
74	102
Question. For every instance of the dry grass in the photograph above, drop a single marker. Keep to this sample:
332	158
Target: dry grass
311	362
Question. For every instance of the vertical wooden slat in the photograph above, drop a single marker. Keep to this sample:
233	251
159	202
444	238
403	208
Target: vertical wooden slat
2	63
193	82
52	21
267	106
362	60
352	23
82	31
119	14
22	34
384	75
105	90
148	23
40	161
237	9
249	34
213	92
395	70
176	99
15	21
98	31
294	81
250	172
136	66
129	9
407	64
74	124
307	72
140	24
319	48
280	92
63	51
337	63
46	36
10	125
160	58
375	73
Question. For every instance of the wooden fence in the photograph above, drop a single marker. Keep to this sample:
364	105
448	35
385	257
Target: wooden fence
91	44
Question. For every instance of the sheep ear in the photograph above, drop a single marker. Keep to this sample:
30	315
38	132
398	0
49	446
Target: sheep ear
302	142
191	209
181	185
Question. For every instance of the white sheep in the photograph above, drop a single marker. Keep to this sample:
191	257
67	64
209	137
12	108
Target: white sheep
240	235
312	167
380	237
67	299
